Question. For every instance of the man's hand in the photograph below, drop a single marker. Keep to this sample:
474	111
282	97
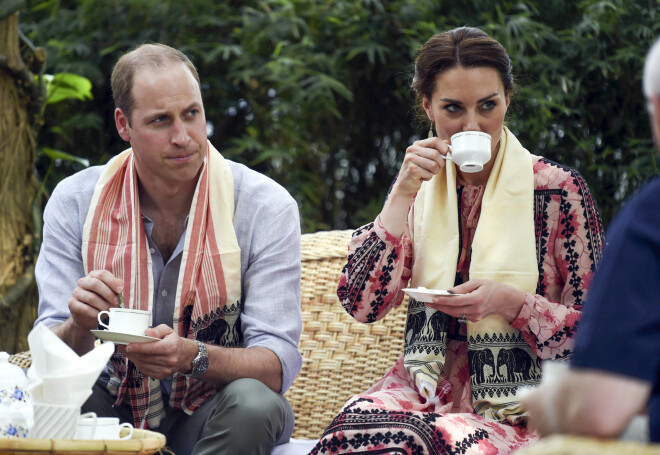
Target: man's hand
173	354
161	359
94	292
586	402
541	406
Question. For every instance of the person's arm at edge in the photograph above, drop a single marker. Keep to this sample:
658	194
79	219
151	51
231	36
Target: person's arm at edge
587	402
612	371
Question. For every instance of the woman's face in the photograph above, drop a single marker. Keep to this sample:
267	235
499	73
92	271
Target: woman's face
468	99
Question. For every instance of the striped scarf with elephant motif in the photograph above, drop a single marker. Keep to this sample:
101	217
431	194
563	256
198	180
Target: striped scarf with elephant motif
208	292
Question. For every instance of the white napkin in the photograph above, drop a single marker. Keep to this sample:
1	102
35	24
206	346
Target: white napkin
60	376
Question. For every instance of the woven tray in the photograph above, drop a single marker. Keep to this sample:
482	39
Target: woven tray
142	442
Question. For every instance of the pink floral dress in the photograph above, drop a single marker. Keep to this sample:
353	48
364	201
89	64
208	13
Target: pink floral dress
392	417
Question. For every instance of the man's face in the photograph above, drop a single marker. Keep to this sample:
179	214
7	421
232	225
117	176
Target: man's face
168	128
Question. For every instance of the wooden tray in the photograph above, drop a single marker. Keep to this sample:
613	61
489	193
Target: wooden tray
143	442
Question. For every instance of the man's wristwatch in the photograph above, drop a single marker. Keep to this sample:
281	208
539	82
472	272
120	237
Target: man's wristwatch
201	362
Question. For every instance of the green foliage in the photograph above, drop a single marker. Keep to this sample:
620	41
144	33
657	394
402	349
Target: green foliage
316	93
60	87
65	86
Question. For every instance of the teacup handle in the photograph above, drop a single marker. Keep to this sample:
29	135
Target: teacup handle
87	415
130	433
101	313
449	153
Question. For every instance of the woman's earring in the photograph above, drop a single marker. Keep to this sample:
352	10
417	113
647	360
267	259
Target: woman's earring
431	130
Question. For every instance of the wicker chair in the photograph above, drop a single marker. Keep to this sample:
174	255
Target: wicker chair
341	357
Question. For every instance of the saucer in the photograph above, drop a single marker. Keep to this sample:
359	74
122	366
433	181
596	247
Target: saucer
421	294
122	338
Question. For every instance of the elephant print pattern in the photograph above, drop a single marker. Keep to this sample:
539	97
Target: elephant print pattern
424	328
221	328
516	361
500	363
479	360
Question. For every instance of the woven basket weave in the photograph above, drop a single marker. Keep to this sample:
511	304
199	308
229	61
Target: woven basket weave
341	357
143	442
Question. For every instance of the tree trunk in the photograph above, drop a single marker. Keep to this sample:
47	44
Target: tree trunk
17	190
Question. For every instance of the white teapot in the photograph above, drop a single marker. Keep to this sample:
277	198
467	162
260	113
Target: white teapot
15	400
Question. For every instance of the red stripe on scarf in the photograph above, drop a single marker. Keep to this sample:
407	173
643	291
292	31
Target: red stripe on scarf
110	247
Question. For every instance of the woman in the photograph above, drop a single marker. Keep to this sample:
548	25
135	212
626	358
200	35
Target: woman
517	241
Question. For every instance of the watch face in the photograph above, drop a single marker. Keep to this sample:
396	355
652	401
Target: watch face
201	365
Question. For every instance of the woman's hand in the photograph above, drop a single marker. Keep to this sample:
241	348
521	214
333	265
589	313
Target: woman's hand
423	160
479	299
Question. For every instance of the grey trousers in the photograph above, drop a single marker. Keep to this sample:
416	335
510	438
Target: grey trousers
245	417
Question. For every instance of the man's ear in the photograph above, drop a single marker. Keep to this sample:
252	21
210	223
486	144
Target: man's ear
654	115
655	102
122	123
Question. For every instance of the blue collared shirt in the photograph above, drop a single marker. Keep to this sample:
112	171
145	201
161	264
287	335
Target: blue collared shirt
267	227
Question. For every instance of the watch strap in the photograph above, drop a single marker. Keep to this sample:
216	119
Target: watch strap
201	361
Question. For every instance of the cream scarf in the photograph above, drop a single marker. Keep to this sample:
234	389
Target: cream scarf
503	250
209	278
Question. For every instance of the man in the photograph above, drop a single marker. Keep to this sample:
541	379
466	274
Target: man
615	370
210	247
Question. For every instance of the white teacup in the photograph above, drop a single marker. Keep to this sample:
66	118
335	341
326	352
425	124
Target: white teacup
125	320
553	371
103	428
469	150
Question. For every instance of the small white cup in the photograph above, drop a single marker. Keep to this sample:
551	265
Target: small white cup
469	150
553	370
103	428
125	320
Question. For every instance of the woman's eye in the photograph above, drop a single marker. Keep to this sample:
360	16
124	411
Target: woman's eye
489	105
452	108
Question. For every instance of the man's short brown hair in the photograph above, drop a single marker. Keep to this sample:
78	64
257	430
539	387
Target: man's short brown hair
152	56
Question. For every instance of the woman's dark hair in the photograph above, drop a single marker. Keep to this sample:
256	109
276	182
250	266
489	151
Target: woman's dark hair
464	46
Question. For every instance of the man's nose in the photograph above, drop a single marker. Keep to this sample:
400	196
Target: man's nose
180	136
